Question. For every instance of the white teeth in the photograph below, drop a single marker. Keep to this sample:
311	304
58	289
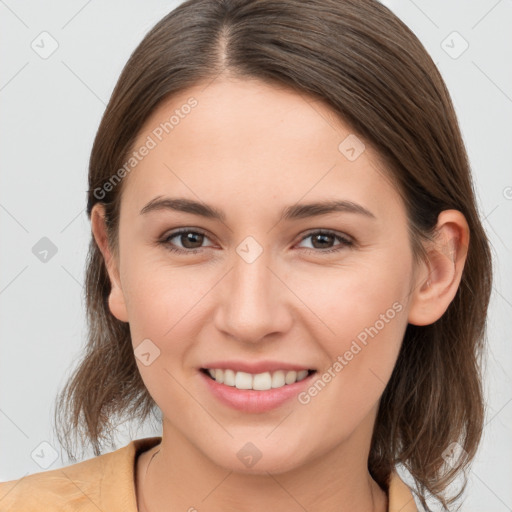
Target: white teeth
302	374
278	379
242	380
260	381
291	377
219	376
229	378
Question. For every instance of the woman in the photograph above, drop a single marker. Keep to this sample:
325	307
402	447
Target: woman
241	137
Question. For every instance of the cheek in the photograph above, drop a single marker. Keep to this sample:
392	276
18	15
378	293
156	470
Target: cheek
360	358
164	303
360	319
347	299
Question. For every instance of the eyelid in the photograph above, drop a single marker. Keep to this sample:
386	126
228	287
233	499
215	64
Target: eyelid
346	241
322	231
173	233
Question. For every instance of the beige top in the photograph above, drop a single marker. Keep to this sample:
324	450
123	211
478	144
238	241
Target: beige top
107	483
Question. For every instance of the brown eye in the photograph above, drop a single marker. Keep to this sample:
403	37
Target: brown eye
191	240
185	240
323	240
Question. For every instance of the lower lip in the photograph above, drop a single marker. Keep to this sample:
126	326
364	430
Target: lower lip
250	400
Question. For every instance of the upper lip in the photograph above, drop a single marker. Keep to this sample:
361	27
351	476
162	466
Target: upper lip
255	367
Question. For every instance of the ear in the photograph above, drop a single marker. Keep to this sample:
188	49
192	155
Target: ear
438	279
116	299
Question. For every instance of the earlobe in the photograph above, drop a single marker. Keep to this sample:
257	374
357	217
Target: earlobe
116	299
117	304
438	279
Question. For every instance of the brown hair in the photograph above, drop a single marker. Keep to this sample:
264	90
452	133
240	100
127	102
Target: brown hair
375	74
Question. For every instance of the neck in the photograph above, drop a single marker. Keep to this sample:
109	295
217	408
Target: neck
175	475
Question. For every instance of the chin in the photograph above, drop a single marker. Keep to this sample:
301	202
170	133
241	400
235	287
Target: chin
256	458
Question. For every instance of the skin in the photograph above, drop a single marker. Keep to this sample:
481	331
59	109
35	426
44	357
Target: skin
250	149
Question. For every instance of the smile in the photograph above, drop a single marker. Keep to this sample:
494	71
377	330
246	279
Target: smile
260	381
258	392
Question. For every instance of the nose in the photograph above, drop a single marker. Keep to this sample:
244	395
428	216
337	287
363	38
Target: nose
253	300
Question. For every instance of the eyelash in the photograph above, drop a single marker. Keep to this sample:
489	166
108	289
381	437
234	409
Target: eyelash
345	242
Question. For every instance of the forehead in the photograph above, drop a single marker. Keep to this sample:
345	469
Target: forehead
247	141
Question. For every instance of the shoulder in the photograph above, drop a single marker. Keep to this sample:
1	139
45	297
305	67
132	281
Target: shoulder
105	482
67	488
400	496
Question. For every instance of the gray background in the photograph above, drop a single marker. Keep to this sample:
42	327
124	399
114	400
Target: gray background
51	107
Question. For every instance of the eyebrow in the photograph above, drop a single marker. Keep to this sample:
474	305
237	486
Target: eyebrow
293	212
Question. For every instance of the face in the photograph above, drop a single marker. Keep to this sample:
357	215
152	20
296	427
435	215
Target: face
269	286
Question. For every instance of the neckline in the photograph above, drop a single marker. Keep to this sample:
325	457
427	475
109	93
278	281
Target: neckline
399	496
141	447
